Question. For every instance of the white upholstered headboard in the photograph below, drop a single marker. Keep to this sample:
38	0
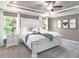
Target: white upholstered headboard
27	23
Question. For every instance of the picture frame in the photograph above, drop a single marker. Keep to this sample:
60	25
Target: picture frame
72	23
65	23
59	23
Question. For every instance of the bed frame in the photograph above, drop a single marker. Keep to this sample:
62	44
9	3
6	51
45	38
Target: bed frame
43	44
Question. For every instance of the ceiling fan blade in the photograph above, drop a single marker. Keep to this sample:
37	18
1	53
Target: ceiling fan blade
54	2
57	6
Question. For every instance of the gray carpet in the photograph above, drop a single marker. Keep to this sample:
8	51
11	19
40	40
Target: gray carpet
66	50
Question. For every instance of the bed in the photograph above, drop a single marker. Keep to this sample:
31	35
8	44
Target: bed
38	43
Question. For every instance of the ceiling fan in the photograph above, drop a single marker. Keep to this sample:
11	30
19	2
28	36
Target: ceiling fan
51	5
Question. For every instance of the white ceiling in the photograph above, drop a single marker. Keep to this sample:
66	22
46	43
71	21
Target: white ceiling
39	5
36	7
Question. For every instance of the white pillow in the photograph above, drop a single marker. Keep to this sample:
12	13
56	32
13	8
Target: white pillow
36	30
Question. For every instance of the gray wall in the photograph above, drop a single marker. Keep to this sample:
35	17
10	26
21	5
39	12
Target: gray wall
21	15
9	14
72	34
29	16
50	24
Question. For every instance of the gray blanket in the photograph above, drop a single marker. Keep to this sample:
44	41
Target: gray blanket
47	35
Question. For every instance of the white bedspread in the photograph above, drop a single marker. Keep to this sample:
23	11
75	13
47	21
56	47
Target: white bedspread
39	43
42	42
35	39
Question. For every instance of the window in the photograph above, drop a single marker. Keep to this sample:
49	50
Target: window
44	23
9	25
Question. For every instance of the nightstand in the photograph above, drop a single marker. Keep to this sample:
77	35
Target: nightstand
12	40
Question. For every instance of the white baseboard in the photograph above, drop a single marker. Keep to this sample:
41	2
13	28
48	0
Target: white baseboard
71	40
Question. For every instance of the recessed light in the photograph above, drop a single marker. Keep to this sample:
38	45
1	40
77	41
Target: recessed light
15	2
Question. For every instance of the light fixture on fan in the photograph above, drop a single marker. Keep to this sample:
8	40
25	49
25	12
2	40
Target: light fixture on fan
50	5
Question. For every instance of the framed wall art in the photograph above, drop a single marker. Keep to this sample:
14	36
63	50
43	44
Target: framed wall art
58	23
65	23
72	23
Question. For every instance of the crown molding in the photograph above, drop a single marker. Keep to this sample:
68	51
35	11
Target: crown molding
67	11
